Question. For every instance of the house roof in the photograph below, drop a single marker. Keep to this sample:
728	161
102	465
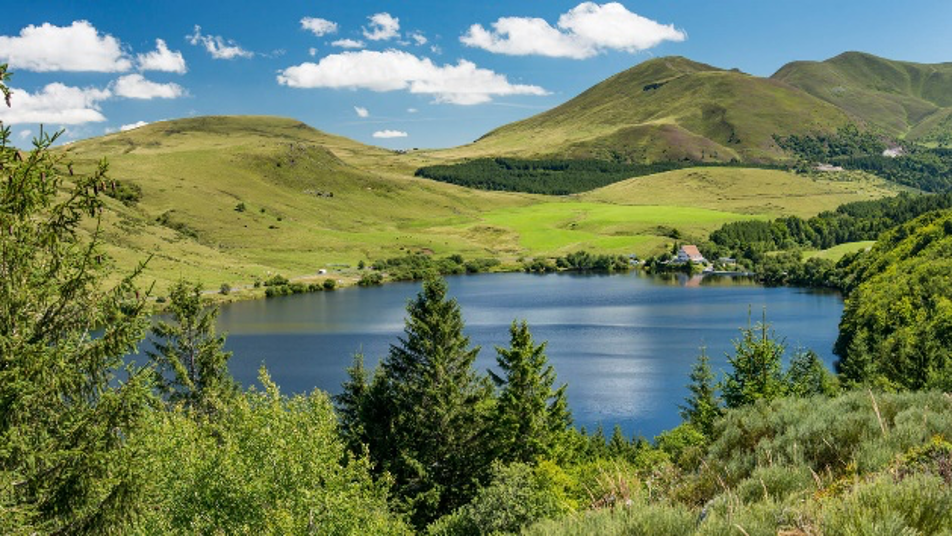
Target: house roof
691	251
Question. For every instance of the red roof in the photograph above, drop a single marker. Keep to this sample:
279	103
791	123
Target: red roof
691	251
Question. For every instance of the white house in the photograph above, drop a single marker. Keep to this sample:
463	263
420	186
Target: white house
690	254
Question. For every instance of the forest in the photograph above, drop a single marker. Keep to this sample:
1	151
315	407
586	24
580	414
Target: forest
91	443
914	165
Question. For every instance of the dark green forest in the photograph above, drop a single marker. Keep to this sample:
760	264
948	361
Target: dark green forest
93	444
925	168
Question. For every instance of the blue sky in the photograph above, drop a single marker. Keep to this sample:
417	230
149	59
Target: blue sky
409	73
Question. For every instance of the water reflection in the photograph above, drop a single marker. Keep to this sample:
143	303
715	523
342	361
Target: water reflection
625	344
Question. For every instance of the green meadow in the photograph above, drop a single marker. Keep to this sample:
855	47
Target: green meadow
237	199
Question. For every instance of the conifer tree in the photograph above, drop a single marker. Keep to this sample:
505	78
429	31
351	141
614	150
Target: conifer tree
191	364
703	406
808	376
426	412
530	413
756	368
64	414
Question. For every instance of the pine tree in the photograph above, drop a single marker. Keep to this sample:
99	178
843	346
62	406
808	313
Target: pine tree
426	411
703	406
191	365
351	405
808	376
756	372
64	414
530	414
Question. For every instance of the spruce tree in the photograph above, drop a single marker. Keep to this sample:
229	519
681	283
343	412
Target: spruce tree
703	406
756	368
191	365
426	412
530	413
808	376
65	415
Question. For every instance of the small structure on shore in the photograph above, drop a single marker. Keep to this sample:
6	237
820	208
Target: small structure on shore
690	254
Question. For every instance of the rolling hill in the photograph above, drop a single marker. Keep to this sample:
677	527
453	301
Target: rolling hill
234	199
667	109
901	99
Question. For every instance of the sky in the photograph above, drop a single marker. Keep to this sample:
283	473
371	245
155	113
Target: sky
406	74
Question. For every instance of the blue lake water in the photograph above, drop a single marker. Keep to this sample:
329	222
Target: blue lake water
624	344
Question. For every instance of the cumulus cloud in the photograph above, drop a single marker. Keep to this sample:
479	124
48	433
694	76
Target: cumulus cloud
312	51
135	125
584	31
219	47
162	59
136	86
361	111
419	38
383	26
56	103
463	83
77	47
348	43
318	27
25	133
390	134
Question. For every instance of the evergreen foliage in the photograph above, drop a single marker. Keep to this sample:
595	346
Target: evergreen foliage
531	415
807	376
756	368
425	414
703	406
191	365
65	417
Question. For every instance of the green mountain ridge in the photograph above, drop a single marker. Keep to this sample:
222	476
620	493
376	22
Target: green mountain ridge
901	99
667	108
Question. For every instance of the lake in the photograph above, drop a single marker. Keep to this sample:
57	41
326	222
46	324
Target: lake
623	343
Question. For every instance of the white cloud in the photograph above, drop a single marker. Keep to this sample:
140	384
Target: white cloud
136	86
162	59
77	47
419	38
135	125
56	104
25	133
463	83
435	49
348	43
383	26
390	134
312	52
361	111
219	47
412	110
318	27
584	31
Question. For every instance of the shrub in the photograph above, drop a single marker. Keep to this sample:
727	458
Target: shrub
370	279
225	289
329	284
277	279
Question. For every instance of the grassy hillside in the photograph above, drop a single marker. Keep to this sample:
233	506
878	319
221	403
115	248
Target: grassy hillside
666	109
234	199
903	99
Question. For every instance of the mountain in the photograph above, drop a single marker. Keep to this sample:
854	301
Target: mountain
231	199
668	108
901	99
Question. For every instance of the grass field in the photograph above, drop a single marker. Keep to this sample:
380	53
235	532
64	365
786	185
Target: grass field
837	252
311	200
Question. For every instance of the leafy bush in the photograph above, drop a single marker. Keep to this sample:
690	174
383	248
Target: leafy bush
329	284
370	279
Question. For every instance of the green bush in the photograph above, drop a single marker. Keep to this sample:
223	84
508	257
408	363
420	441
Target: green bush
329	284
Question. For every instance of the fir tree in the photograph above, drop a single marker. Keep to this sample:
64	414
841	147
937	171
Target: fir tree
808	376
703	406
426	411
191	365
64	415
530	414
756	368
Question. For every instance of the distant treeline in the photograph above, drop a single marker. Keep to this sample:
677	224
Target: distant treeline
851	222
928	169
553	177
416	266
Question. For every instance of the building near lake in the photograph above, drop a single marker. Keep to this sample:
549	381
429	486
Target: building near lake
690	254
